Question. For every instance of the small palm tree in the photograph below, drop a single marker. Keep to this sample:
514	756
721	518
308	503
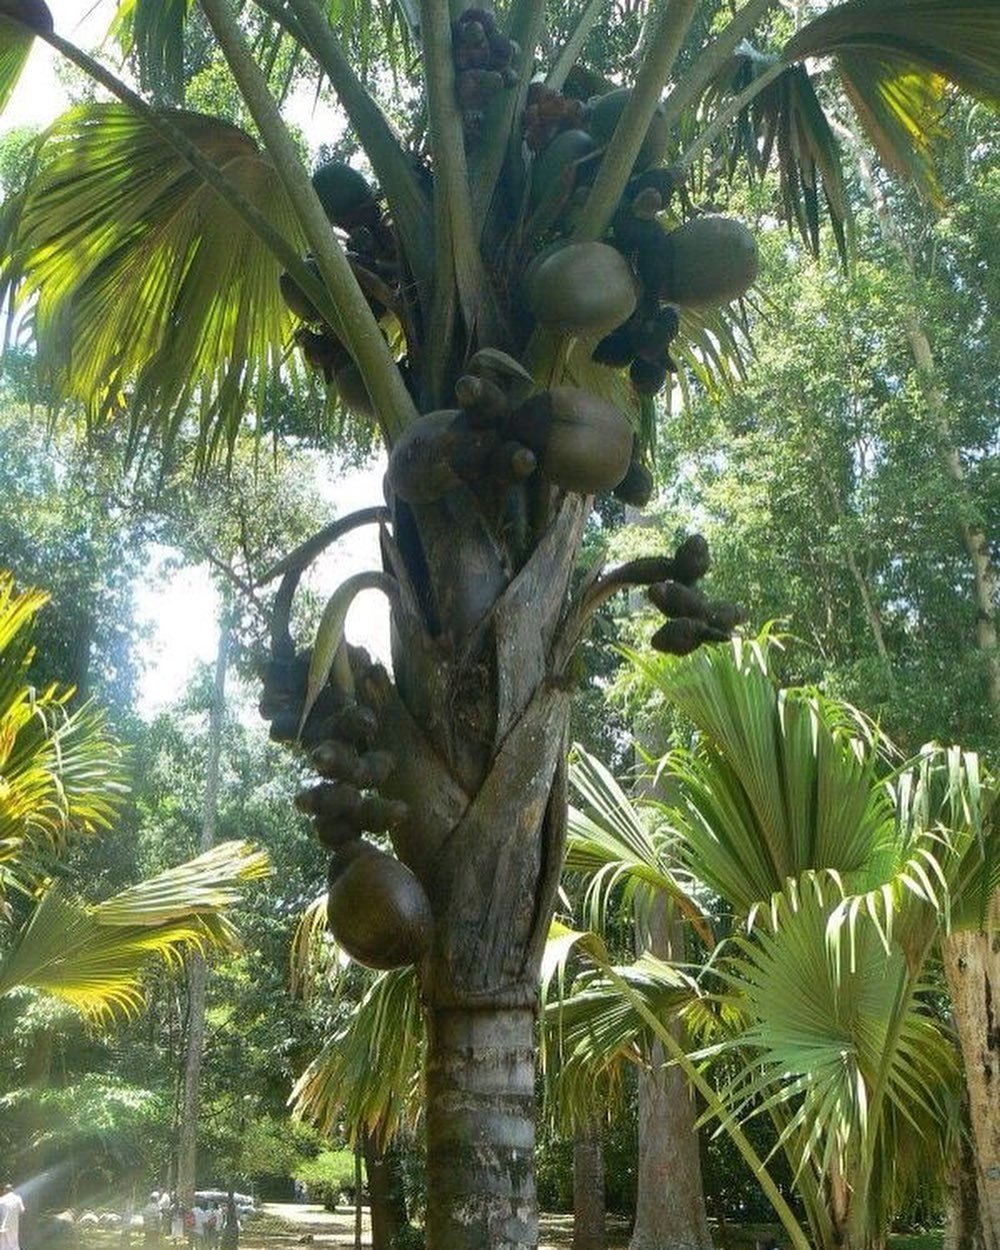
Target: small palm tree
841	873
61	778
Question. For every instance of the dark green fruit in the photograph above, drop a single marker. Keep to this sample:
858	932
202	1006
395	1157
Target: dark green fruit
615	349
294	296
582	443
583	288
692	559
345	195
636	487
352	391
35	14
676	599
376	908
648	376
420	469
703	264
683	635
604	113
556	171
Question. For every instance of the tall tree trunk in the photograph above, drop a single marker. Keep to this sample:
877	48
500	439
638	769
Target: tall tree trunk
589	1211
670	1205
187	1145
972	968
386	1200
963	1229
476	720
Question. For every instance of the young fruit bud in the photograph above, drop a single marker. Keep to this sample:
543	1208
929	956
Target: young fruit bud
676	599
692	560
683	635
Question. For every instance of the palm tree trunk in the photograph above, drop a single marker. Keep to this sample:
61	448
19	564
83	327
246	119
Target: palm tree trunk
187	1146
972	969
476	719
670	1205
386	1201
481	1129
589	1211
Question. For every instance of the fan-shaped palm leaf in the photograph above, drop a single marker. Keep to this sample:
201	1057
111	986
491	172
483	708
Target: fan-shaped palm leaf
60	770
895	59
611	844
779	784
92	955
144	288
851	1057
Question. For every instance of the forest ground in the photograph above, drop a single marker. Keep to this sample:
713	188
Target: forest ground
288	1226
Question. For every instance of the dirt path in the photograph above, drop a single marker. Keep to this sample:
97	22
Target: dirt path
334	1230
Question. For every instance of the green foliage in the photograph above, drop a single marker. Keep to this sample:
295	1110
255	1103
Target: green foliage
328	1177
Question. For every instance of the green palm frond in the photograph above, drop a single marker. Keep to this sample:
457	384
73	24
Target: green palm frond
15	46
611	844
780	782
896	57
92	955
369	1073
142	289
60	771
949	863
831	1044
152	32
786	119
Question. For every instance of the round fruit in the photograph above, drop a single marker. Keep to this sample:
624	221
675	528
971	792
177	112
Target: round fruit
636	487
344	193
582	443
294	296
604	114
555	171
583	288
704	263
376	908
419	468
353	392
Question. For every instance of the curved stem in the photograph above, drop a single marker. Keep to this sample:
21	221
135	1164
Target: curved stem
356	324
392	168
306	552
620	154
573	46
739	1138
458	269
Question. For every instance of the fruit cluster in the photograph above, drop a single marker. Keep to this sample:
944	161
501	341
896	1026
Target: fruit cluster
503	430
484	64
548	113
376	908
353	208
693	617
705	263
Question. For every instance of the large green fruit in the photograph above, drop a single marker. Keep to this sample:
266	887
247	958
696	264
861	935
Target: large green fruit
583	288
604	113
345	194
583	443
704	263
376	908
555	171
